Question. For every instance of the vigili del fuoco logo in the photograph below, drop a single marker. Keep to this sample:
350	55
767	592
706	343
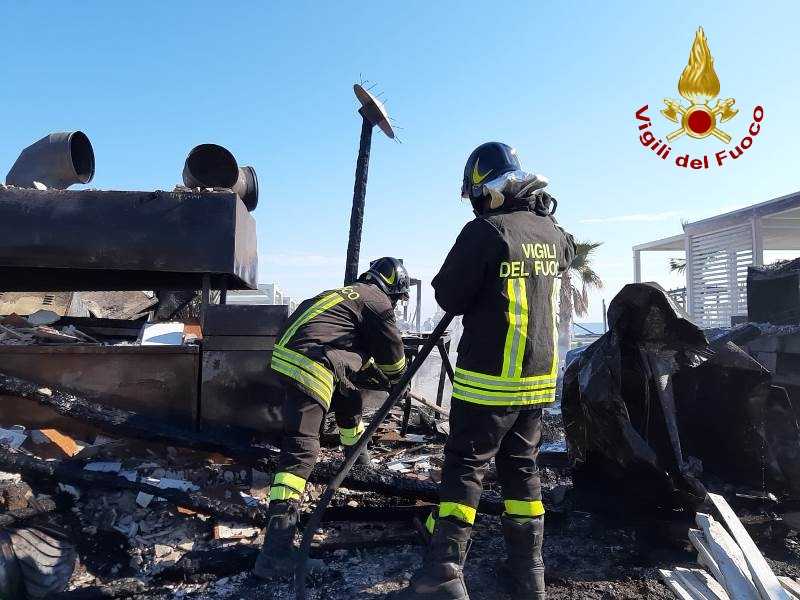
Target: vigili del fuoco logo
699	86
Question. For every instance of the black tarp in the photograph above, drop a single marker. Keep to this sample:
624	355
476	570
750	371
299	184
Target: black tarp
730	421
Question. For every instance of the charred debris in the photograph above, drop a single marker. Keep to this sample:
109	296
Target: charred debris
139	429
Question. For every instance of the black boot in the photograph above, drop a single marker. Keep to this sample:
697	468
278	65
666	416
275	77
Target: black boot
276	558
441	576
364	459
523	570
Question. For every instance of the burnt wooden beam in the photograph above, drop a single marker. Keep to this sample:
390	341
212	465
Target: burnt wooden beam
120	422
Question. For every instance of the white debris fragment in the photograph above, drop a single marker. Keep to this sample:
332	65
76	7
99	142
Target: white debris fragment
162	334
10	477
43	317
143	499
228	531
13	438
250	501
69	489
177	484
40	186
104	466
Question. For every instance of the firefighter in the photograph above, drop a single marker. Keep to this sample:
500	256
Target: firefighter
331	344
501	275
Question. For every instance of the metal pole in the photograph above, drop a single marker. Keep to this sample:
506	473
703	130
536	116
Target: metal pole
605	317
359	195
419	305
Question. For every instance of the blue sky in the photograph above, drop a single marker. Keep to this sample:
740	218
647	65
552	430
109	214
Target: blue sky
272	82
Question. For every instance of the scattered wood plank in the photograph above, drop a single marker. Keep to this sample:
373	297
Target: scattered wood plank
791	586
768	585
704	557
701	585
714	585
729	557
428	404
228	531
676	585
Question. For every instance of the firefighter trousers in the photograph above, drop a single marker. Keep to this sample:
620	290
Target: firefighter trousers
303	417
511	436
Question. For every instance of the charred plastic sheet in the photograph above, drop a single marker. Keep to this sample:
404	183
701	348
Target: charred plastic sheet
651	401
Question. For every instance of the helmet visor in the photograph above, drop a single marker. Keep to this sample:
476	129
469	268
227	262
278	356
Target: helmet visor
516	183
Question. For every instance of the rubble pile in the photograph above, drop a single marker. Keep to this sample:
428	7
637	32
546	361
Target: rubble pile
141	540
45	328
36	330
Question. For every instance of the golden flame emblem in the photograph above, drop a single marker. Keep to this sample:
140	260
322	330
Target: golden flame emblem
699	84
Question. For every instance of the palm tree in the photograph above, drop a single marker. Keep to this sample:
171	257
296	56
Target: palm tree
575	285
677	265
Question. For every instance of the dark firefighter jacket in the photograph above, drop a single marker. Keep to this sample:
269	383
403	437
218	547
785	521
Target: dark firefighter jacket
502	275
334	335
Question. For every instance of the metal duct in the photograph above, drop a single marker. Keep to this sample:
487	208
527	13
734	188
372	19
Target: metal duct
213	166
58	160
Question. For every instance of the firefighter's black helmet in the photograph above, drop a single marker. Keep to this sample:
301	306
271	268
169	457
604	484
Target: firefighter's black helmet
488	161
390	275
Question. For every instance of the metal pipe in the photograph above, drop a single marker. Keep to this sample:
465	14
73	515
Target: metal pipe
58	160
214	166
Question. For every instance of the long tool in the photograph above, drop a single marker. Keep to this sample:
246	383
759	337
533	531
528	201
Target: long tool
378	418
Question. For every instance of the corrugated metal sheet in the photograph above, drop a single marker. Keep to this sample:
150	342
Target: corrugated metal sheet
718	275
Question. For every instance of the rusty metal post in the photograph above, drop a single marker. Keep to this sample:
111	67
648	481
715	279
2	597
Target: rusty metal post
359	196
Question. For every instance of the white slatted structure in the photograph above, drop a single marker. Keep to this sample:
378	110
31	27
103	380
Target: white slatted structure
717	274
719	250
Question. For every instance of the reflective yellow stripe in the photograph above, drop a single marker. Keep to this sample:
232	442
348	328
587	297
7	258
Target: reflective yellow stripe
462	512
556	287
430	523
510	384
521	398
503	394
349	436
320	306
287	486
321	382
305	363
515	353
524	508
313	385
290	480
280	492
393	368
517	334
512	327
